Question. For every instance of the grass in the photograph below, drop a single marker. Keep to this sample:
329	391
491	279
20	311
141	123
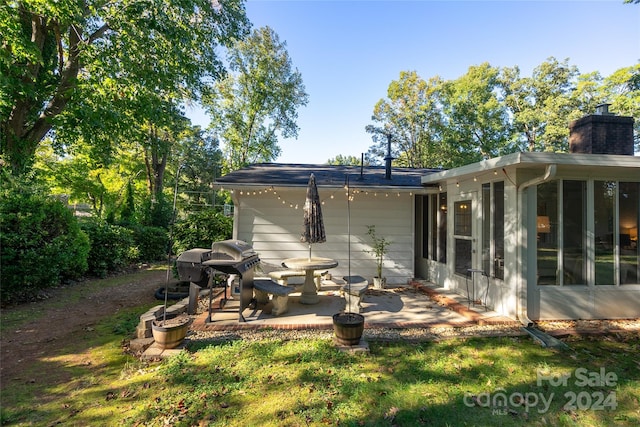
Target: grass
273	382
509	381
16	316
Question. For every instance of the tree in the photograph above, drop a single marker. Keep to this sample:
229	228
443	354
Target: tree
69	64
622	91
541	105
256	101
411	114
201	162
341	160
477	124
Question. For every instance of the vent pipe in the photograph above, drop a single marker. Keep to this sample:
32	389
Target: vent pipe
603	110
388	158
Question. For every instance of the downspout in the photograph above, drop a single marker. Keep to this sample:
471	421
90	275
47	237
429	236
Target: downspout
521	289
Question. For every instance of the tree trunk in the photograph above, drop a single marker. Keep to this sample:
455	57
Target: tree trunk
23	137
155	160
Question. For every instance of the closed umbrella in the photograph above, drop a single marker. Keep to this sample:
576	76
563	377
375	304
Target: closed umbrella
313	230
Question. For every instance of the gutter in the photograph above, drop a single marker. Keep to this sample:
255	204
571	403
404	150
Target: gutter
521	288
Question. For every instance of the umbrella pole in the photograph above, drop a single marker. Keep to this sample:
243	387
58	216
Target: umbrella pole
309	251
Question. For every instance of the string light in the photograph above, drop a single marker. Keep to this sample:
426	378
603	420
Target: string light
350	194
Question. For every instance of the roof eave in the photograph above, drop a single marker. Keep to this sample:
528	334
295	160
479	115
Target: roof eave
528	159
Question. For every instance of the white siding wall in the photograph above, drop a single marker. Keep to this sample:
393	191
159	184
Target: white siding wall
273	228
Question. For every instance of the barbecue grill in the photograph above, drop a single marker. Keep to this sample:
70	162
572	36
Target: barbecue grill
190	267
224	258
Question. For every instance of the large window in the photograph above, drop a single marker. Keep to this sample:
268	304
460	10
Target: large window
434	227
547	233
493	229
567	233
574	210
604	197
629	208
424	212
442	227
498	229
486	229
434	207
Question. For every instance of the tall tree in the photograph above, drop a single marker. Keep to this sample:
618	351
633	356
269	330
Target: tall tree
541	105
257	101
477	124
622	89
411	114
70	56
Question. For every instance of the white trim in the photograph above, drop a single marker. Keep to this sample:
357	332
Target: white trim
538	159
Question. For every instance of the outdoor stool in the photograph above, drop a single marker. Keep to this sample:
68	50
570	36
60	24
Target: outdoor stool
263	287
353	292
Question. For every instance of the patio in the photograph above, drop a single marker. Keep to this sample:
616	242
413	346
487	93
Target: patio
416	305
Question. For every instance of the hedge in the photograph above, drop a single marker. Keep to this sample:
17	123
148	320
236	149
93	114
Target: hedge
42	244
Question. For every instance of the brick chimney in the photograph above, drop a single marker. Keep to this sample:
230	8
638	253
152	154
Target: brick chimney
602	133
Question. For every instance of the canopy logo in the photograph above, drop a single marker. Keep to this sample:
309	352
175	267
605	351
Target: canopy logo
503	403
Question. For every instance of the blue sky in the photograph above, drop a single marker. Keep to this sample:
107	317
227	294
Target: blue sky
349	51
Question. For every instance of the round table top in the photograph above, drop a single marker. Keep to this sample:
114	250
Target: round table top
313	263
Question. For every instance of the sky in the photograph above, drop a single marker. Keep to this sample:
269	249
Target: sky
348	52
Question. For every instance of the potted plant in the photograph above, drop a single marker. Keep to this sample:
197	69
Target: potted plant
347	326
169	331
380	247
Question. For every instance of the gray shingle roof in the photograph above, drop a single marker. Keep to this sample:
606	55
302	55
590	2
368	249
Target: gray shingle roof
284	174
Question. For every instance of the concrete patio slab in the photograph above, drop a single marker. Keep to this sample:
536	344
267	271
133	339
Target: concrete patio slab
415	305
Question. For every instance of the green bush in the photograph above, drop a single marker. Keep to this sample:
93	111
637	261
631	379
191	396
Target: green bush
151	242
112	246
42	244
200	229
157	213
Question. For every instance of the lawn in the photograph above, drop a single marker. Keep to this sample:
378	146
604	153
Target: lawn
276	382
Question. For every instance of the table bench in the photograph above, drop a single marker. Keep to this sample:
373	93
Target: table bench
263	287
353	294
282	276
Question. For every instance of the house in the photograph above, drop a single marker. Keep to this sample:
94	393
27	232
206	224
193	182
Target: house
268	213
533	236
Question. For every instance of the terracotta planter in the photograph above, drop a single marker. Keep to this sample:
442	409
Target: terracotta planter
348	328
171	332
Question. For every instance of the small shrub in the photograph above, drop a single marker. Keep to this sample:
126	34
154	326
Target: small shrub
200	229
112	247
151	242
42	244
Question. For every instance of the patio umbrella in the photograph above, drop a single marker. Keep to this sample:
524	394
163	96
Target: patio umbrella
313	230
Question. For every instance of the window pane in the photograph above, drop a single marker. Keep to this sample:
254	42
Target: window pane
629	200
442	228
434	226
498	228
425	225
462	224
604	196
574	204
486	228
547	233
463	256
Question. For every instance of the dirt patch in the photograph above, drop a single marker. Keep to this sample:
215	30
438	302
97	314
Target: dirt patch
22	346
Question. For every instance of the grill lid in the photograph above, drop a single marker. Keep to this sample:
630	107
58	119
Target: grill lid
232	256
232	250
